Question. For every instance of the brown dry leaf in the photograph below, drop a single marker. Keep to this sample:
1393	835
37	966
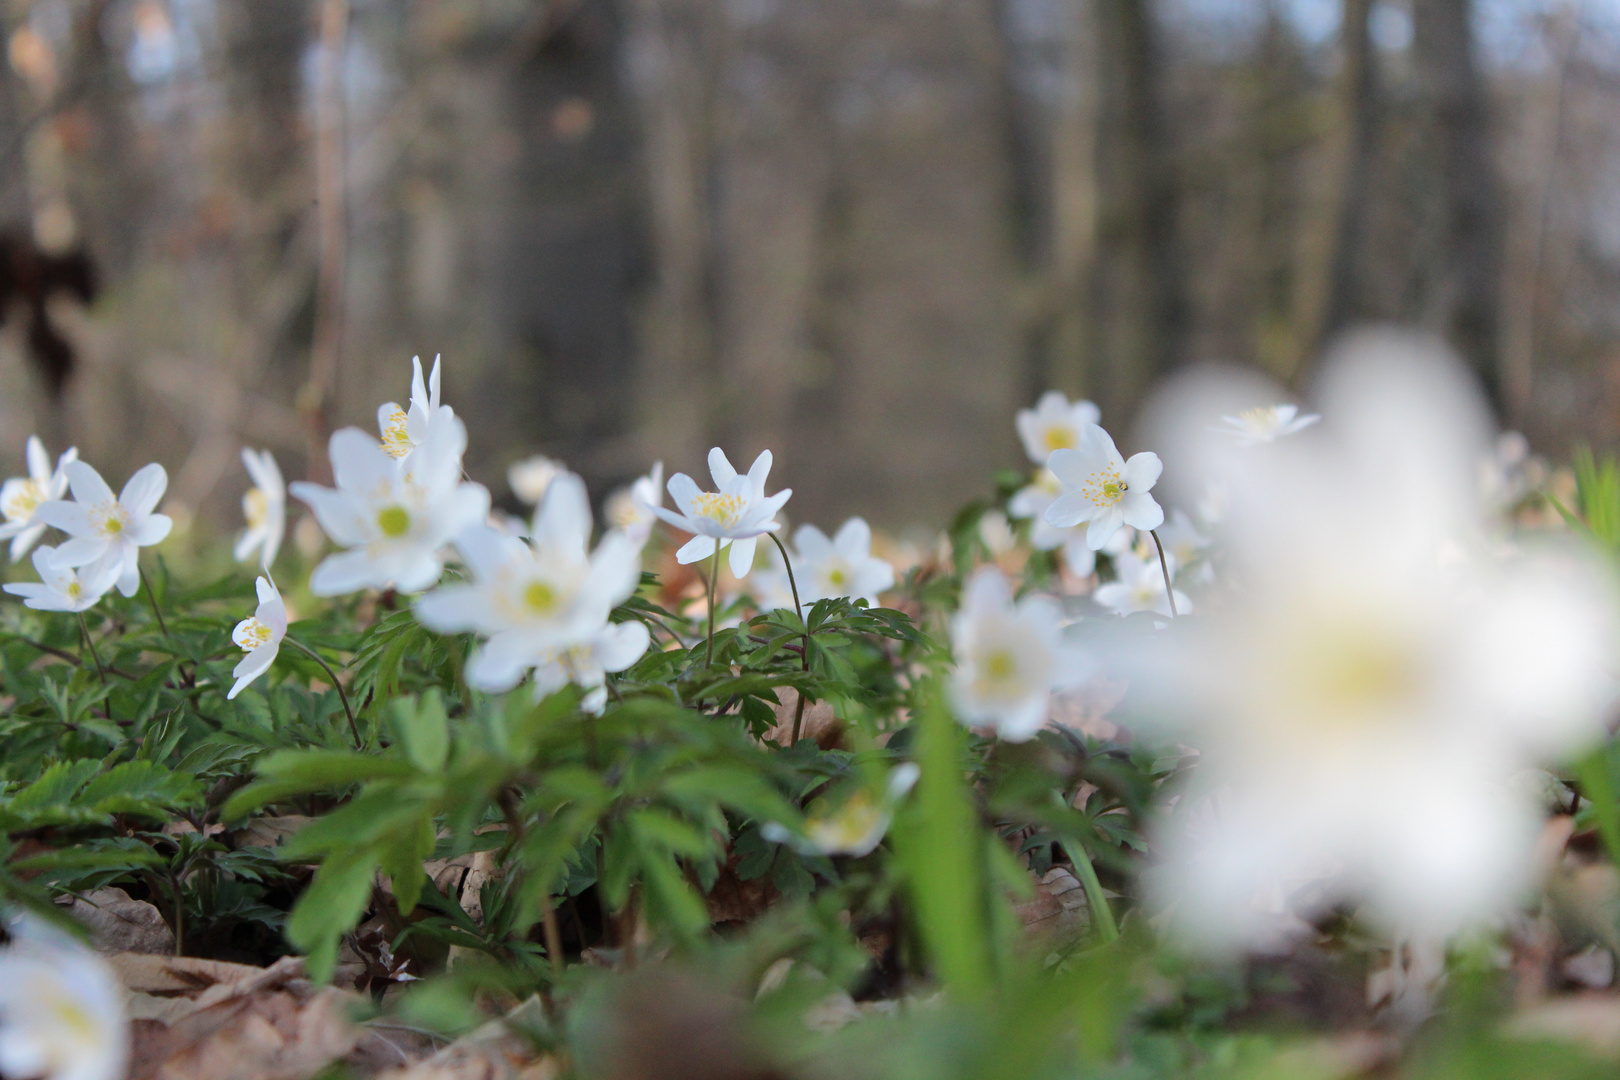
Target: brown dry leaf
1058	907
493	1052
1592	1020
269	831
119	924
820	722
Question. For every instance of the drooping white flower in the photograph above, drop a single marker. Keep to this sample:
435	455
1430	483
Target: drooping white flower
854	826
630	509
1266	424
401	430
21	496
61	1008
841	566
264	507
1139	586
259	636
737	512
1054	424
612	648
105	528
1009	656
394	515
61	588
1379	689
536	599
1103	489
530	477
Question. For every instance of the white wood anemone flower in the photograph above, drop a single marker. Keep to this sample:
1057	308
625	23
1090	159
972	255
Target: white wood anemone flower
533	599
260	636
1188	548
264	507
403	430
586	664
1139	586
62	588
1361	703
394	515
631	509
1265	424
854	826
1102	489
1029	503
737	512
530	477
61	1007
109	529
1055	423
21	496
1009	657
841	566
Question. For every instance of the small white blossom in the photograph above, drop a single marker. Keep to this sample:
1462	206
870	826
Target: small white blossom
853	827
738	512
394	515
630	509
612	648
1103	489
1139	586
1030	503
401	430
842	566
109	529
21	496
530	477
536	599
259	636
1054	424
1266	424
61	1008
1009	657
264	507
61	588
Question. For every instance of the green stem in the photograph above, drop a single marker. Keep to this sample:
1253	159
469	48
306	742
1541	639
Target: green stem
152	596
354	728
798	712
1102	916
1164	568
714	578
90	644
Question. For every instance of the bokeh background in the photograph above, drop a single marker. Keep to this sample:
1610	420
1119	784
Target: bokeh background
859	232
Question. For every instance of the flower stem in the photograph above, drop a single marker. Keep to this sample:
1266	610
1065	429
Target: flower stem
1102	917
714	579
1164	568
152	596
798	712
354	728
91	645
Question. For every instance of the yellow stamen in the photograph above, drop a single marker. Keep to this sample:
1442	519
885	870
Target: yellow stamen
250	633
255	507
394	521
718	507
1059	438
1105	487
540	597
25	496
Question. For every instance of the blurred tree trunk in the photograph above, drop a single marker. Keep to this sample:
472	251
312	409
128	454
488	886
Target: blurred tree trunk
1141	287
1343	302
1459	274
110	183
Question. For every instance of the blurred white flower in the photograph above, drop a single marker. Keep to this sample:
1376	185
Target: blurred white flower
1266	424
1379	697
842	566
630	509
1009	657
738	512
1054	424
612	648
1186	548
402	431
530	477
854	826
109	529
1139	586
536	599
21	496
1103	489
1509	472
61	1008
997	533
265	508
259	636
60	588
393	515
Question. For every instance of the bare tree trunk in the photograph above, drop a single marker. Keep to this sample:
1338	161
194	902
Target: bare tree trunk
331	192
1344	303
1460	275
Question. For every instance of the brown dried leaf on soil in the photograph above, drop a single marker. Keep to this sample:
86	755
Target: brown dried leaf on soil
120	924
820	722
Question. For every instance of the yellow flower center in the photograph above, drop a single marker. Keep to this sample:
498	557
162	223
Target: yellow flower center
109	519
394	521
72	1015
847	827
718	507
540	597
836	577
1105	487
1059	438
25	496
250	633
74	589
255	507
1000	666
396	438
1259	421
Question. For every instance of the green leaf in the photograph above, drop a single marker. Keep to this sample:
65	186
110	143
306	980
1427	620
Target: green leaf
330	907
423	730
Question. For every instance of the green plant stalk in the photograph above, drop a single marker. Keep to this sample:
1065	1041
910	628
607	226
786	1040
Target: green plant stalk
1102	916
1164	568
1597	784
354	728
798	713
714	581
152	598
89	644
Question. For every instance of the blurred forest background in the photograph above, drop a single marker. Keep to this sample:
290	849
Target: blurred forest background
858	232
